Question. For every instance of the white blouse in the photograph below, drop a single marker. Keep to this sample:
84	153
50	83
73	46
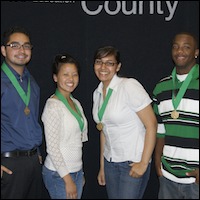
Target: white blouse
123	129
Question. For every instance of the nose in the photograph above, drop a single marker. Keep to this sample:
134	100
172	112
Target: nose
21	48
103	65
180	49
71	78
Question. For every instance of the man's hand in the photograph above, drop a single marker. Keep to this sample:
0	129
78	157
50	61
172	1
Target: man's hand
194	173
4	169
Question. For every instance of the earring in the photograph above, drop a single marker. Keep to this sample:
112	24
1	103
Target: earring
196	57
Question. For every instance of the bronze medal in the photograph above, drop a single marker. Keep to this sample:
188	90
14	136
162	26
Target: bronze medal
26	110
175	114
100	126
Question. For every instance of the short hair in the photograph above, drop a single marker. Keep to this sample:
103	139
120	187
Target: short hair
107	51
195	38
16	29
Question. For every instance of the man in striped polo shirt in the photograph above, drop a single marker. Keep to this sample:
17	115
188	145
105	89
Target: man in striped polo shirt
176	104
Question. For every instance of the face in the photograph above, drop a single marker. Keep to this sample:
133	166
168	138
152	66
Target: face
184	52
67	78
17	57
105	68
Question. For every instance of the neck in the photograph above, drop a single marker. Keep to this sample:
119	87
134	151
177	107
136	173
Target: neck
18	68
65	94
184	70
104	89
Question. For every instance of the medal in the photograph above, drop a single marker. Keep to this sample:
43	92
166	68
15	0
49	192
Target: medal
26	110
174	114
100	126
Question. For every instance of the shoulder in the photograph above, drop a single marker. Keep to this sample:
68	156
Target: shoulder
6	85
167	78
131	81
131	84
4	78
52	108
53	104
134	89
163	84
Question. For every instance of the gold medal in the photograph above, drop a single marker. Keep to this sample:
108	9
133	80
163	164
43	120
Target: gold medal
26	110
100	126
175	114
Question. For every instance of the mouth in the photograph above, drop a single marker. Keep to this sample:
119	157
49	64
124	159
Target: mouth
70	84
103	73
21	57
180	58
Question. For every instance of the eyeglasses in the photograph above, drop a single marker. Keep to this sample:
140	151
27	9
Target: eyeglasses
16	45
107	63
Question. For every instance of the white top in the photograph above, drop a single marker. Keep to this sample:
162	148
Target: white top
123	129
63	137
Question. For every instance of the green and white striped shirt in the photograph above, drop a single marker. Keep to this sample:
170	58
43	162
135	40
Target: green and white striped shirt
181	150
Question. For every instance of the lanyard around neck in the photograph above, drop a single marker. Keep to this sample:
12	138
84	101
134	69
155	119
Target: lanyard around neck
176	100
103	107
78	115
25	97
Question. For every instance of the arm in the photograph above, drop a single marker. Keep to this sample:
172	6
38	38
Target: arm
52	120
148	118
158	153
70	187
101	175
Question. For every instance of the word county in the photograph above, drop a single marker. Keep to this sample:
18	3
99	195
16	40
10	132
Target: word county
135	7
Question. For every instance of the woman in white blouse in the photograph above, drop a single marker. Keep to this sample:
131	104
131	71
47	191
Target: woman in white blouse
127	125
65	128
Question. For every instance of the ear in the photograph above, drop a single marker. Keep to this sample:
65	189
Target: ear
118	67
3	50
196	53
55	78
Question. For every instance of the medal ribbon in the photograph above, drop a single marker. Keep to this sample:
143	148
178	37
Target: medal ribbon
103	107
22	94
176	100
78	115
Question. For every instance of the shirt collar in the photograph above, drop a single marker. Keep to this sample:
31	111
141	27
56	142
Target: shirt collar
24	75
114	84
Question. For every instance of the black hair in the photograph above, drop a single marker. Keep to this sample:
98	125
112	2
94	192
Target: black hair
195	38
107	51
16	29
61	59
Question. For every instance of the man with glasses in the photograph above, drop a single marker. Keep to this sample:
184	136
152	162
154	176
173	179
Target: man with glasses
21	133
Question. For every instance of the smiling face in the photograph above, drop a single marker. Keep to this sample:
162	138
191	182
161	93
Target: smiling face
67	78
105	68
184	51
17	58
